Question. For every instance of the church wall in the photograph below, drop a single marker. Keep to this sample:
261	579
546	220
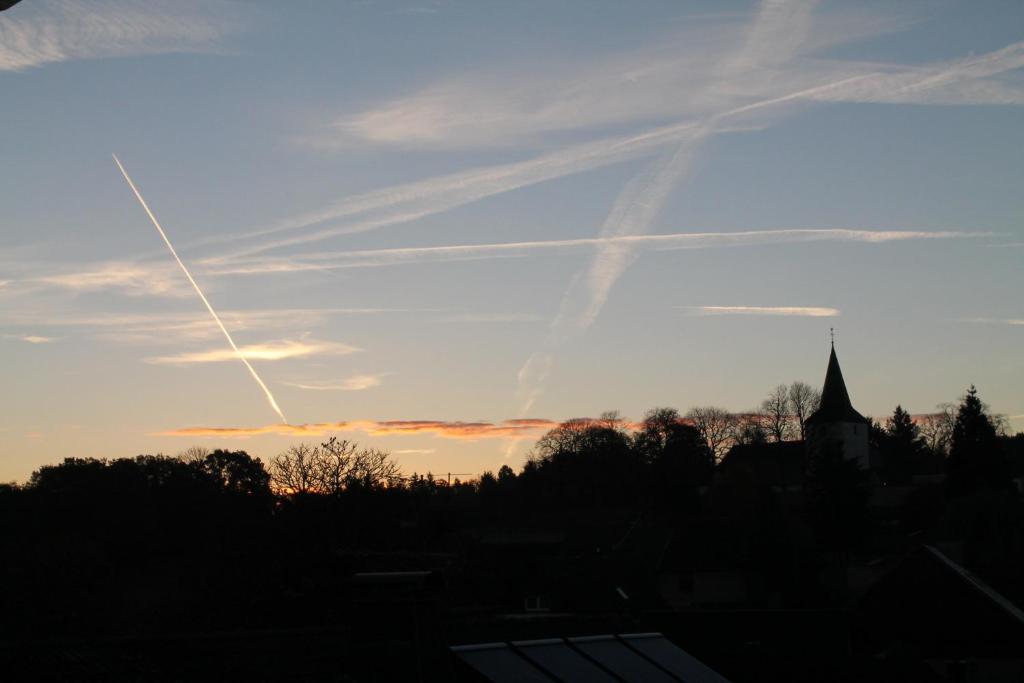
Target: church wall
852	435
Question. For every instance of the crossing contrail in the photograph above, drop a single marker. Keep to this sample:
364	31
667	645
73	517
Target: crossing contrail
227	335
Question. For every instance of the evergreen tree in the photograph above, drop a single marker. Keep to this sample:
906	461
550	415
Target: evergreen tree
975	459
902	447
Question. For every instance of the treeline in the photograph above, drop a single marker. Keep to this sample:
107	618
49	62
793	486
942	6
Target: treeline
211	540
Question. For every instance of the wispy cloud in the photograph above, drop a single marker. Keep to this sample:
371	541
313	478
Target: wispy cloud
957	82
643	197
510	106
278	350
775	36
468	431
800	311
688	75
681	240
173	328
678	76
994	321
354	383
492	318
133	279
47	31
31	338
835	82
636	206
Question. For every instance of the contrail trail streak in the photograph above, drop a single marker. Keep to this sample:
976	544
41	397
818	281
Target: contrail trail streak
184	269
642	199
412	201
369	258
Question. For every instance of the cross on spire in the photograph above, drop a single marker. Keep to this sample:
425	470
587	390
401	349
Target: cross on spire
832	334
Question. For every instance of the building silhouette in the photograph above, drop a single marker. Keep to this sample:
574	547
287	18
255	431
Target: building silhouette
836	423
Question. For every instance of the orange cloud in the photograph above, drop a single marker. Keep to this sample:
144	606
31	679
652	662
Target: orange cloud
461	430
449	430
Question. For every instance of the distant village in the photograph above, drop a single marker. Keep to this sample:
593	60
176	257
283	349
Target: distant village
799	542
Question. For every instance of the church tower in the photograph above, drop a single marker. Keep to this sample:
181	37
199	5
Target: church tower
836	422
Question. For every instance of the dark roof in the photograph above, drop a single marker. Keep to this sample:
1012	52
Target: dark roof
772	464
835	401
943	610
636	657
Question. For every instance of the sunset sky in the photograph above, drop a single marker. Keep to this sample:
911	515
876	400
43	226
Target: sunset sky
440	228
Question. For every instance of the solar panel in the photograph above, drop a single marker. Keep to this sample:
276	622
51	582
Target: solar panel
562	661
633	658
621	660
500	664
676	660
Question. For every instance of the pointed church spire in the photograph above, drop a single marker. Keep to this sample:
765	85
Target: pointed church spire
835	400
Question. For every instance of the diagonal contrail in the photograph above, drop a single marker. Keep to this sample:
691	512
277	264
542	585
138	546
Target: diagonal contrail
639	203
227	335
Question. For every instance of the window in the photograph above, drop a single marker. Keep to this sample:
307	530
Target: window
536	603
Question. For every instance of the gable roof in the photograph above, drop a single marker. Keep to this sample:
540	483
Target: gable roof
835	403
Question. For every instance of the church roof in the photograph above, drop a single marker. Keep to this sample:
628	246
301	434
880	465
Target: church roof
835	400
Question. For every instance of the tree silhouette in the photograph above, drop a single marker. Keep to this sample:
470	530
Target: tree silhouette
937	429
975	459
678	457
803	401
194	454
332	467
584	462
902	447
506	476
296	470
657	428
716	427
776	418
237	472
748	429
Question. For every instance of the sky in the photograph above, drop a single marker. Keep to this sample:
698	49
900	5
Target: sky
440	228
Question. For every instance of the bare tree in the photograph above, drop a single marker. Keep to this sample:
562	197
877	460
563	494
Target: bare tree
776	418
748	428
194	455
937	428
658	426
297	470
334	464
611	419
803	401
570	436
373	467
716	427
332	467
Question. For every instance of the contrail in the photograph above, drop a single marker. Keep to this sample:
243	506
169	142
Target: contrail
227	335
397	256
642	199
412	201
